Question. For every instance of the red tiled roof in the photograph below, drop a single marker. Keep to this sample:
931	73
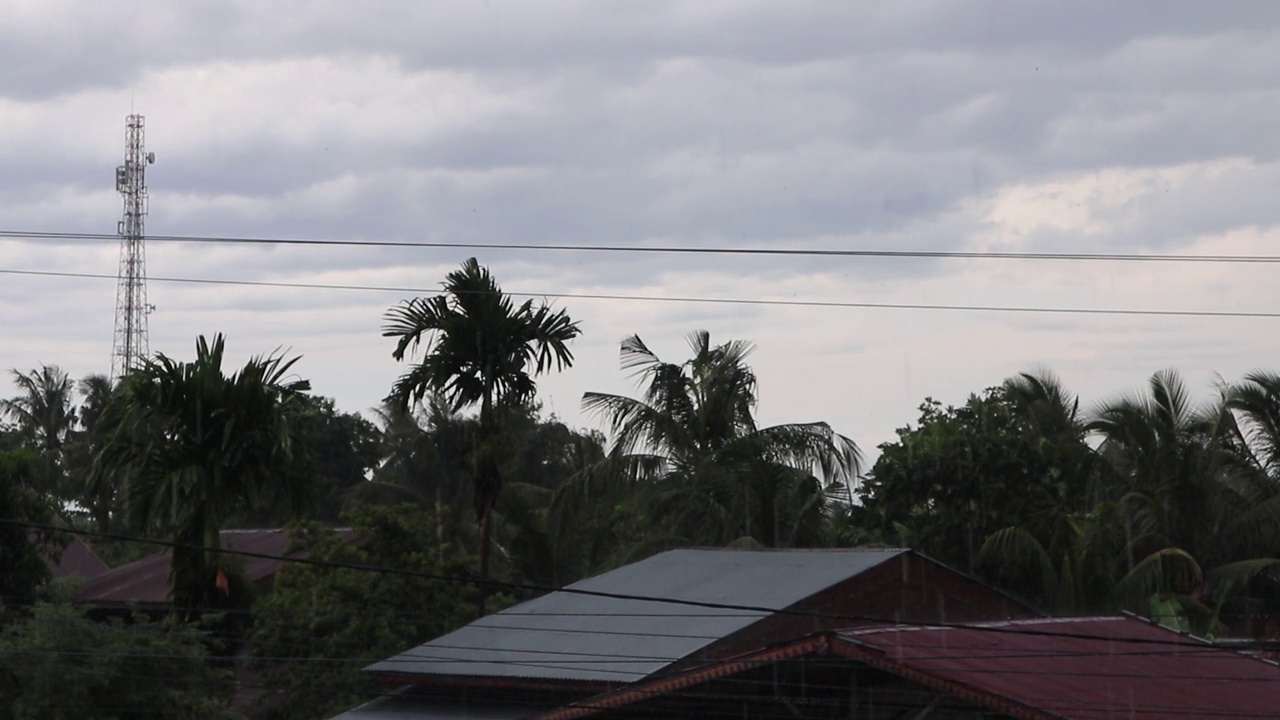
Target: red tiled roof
1077	668
145	581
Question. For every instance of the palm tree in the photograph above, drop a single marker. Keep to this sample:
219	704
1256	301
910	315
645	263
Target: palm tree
423	452
1156	509
718	477
1251	539
1185	518
1166	457
478	347
97	493
194	445
44	416
1255	403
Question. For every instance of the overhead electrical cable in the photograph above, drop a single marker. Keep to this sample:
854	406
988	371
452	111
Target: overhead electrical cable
1009	627
667	249
834	304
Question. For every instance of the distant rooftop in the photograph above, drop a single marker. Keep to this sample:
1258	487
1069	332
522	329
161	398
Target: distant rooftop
75	560
565	636
146	581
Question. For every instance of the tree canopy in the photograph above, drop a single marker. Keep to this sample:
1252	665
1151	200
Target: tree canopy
195	446
480	349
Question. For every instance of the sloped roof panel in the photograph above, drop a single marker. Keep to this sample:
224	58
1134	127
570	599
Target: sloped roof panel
568	636
1083	668
75	560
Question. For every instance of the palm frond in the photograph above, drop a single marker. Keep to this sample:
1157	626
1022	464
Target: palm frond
1170	570
1014	558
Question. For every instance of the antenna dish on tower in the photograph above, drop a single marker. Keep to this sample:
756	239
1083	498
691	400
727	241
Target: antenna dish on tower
151	158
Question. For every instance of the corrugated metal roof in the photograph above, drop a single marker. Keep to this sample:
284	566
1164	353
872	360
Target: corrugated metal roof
145	581
565	636
1083	668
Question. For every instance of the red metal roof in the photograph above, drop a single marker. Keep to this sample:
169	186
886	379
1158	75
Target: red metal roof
76	559
1077	668
145	581
1044	669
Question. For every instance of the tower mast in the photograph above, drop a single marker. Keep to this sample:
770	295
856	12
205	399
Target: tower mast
129	345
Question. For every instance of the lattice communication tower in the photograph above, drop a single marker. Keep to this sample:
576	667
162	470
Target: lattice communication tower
129	345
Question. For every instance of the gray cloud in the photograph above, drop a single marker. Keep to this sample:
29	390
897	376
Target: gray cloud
914	125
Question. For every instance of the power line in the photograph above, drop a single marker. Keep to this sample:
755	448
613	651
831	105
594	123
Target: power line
830	304
1186	647
1009	627
710	699
669	249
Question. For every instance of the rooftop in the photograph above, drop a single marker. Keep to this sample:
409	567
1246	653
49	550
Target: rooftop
567	636
1091	668
1082	668
146	581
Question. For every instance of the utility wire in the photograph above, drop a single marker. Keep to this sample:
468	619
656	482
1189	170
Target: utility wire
1013	627
711	700
421	655
662	249
689	299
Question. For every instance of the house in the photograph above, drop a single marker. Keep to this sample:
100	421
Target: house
610	631
145	582
1038	669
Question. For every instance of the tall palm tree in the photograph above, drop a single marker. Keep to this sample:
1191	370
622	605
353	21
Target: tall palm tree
478	348
719	477
44	414
193	445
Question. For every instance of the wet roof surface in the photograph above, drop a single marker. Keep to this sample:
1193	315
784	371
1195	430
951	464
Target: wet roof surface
565	636
1087	668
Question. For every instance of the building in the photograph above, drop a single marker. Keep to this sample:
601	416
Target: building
1041	669
144	583
608	632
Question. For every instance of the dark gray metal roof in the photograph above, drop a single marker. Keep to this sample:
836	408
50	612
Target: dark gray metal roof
565	636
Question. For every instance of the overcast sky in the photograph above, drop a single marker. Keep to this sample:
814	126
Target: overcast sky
918	124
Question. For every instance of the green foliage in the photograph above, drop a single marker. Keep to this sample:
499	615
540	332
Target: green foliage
481	349
965	472
58	664
480	345
1175	512
44	417
196	446
319	626
85	443
711	475
21	568
333	453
